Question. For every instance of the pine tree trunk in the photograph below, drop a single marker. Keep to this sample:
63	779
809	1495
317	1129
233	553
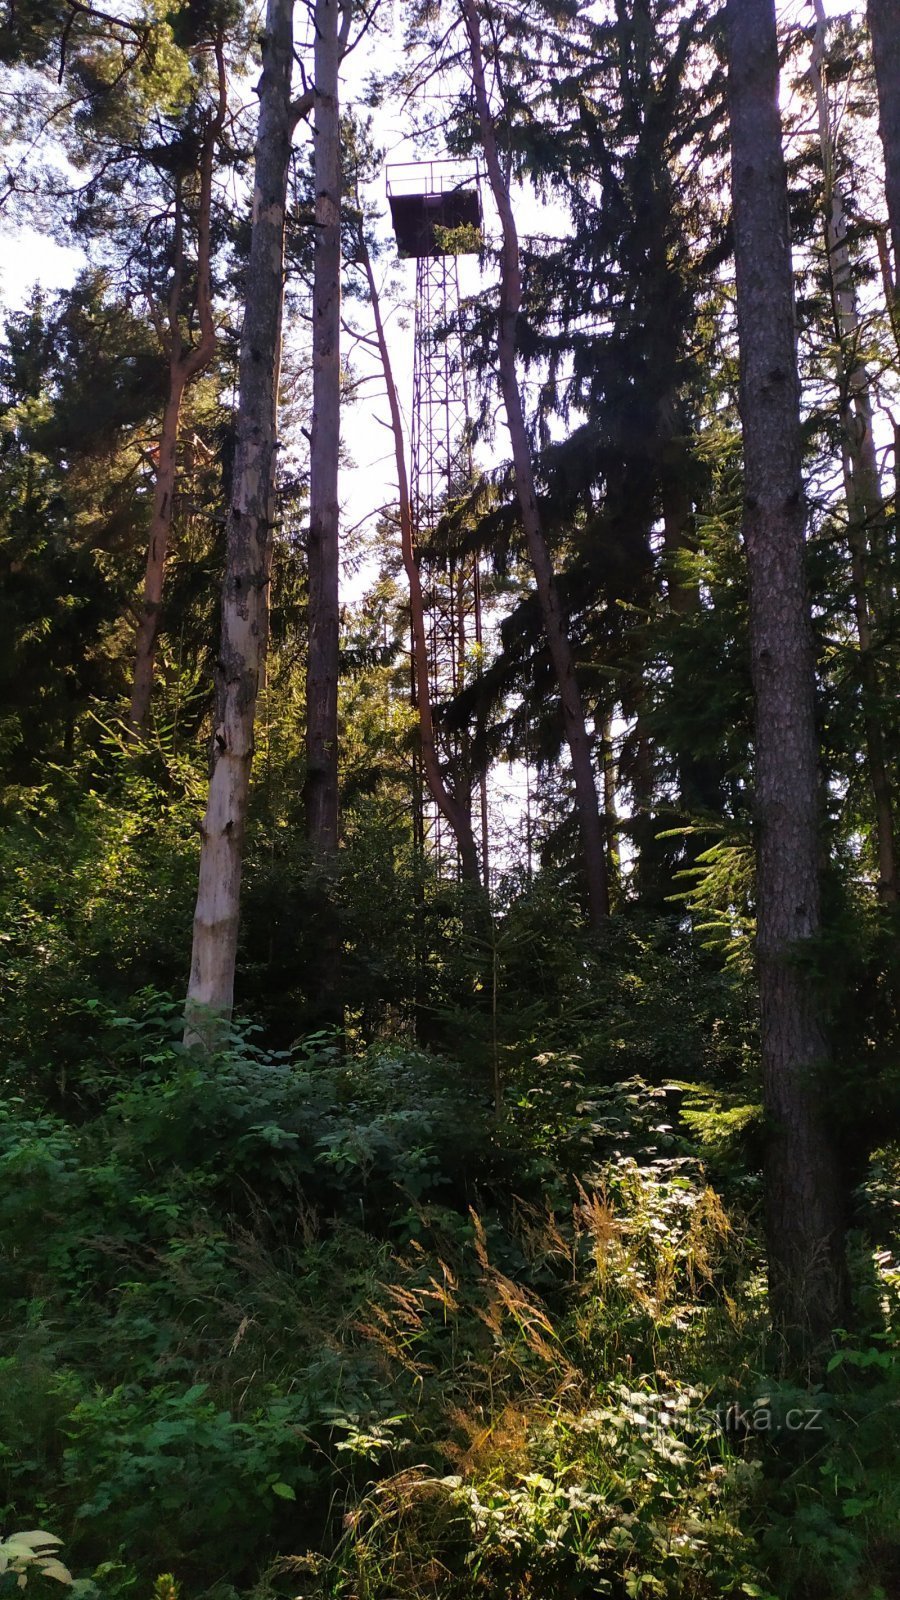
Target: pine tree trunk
884	28
185	365
245	592
457	814
866	514
803	1208
321	793
591	826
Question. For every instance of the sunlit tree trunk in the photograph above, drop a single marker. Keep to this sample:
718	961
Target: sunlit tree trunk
866	515
245	594
457	813
803	1204
554	622
185	365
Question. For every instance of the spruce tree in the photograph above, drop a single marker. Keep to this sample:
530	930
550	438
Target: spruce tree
804	1221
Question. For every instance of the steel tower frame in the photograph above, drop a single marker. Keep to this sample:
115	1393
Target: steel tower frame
442	471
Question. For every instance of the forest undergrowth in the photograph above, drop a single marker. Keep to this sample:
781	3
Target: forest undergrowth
314	1322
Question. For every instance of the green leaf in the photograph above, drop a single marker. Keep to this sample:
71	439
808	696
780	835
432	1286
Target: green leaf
854	1507
283	1490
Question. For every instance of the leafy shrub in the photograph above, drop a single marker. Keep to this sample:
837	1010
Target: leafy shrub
321	1318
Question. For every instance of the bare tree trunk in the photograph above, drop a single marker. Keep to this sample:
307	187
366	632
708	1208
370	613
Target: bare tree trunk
884	28
245	592
321	792
331	21
185	365
866	515
592	832
458	815
803	1206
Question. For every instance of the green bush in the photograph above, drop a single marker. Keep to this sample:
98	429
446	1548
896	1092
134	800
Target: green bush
309	1322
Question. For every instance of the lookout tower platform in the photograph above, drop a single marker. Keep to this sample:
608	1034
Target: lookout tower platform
427	195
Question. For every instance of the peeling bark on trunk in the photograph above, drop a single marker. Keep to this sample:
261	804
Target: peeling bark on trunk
884	28
591	825
803	1205
321	791
866	515
245	593
457	813
185	365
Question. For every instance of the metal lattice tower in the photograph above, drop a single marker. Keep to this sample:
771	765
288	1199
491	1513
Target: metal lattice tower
426	198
